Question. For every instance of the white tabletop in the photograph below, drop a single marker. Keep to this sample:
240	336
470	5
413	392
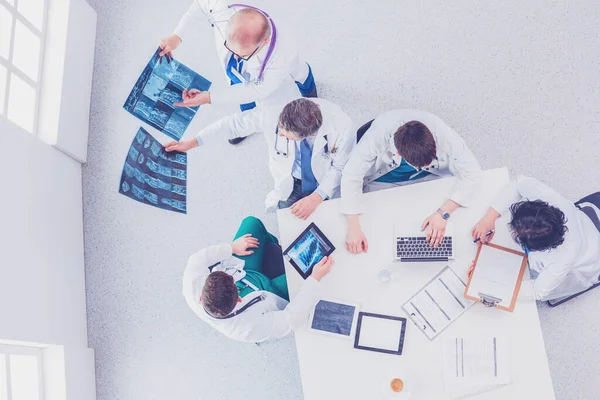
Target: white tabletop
332	369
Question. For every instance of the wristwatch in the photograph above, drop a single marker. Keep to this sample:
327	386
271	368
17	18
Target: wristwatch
444	214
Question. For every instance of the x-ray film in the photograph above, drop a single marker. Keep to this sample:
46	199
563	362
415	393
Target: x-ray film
308	249
159	86
151	175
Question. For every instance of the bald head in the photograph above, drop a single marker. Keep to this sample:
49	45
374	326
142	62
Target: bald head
248	28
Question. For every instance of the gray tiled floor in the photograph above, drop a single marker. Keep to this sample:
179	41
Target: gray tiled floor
519	80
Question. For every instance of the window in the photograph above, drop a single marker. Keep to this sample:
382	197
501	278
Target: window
22	37
20	373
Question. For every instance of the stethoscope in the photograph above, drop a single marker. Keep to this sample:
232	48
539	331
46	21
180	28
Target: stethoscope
271	43
285	153
252	302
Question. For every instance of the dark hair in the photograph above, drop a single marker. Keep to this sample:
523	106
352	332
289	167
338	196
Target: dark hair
538	226
302	116
219	294
415	144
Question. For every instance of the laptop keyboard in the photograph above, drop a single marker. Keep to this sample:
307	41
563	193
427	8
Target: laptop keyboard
417	249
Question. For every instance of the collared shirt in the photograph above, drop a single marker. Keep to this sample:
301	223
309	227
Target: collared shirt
569	268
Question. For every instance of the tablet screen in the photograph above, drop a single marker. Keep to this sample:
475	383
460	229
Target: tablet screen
310	247
380	333
333	317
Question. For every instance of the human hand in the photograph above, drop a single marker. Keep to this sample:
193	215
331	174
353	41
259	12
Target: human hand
303	208
482	228
169	44
241	246
193	98
471	269
322	268
182	146
437	228
356	241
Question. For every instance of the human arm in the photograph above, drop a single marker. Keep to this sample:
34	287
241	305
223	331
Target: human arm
356	241
240	124
550	277
295	314
436	224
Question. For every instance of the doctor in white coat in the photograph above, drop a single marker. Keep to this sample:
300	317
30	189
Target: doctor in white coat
223	285
562	242
309	142
257	56
397	148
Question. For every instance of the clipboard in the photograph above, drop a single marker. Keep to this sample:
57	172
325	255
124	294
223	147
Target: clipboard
494	300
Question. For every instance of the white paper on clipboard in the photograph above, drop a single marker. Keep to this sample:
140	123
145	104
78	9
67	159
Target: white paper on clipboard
439	303
496	275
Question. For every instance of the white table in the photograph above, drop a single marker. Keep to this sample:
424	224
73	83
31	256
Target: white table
332	369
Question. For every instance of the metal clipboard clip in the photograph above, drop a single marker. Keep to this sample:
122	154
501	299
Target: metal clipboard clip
413	316
488	301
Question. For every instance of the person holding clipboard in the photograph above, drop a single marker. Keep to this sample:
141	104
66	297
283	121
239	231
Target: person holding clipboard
235	288
562	239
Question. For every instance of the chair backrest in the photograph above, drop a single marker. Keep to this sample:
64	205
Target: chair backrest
590	205
362	130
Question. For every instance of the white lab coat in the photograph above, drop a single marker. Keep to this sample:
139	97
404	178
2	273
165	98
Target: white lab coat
376	155
271	318
284	63
571	267
336	132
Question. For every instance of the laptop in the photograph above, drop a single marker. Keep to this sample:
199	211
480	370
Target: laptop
411	246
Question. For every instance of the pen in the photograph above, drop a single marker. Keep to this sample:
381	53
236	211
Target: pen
488	234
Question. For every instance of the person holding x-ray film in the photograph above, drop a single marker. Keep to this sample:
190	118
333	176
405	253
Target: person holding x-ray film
309	142
256	55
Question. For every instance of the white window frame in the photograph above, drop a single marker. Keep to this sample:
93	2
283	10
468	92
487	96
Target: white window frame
8	350
11	69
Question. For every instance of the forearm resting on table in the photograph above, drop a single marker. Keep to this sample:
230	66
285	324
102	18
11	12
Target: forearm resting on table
450	206
353	220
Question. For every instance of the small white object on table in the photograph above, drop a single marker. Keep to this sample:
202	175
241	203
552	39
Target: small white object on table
331	368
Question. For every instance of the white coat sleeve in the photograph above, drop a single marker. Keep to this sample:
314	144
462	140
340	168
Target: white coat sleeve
296	313
197	11
359	163
240	124
525	188
545	283
465	166
333	178
274	75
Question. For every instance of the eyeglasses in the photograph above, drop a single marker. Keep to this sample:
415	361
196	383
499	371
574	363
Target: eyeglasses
246	58
287	145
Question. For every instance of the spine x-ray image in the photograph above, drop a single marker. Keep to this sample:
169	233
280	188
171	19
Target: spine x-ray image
159	86
151	175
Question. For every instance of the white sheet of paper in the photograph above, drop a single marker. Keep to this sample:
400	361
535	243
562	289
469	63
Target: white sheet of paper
438	304
496	274
475	364
380	333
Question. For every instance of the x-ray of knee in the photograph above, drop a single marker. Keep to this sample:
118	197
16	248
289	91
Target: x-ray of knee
160	85
153	176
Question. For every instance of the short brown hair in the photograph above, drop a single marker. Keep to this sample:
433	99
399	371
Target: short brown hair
415	144
219	294
302	116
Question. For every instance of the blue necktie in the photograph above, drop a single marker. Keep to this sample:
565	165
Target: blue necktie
309	182
234	65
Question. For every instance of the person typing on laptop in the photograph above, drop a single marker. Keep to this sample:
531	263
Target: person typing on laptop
240	288
400	147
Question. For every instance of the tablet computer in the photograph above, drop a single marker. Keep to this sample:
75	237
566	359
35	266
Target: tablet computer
333	318
308	249
380	333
